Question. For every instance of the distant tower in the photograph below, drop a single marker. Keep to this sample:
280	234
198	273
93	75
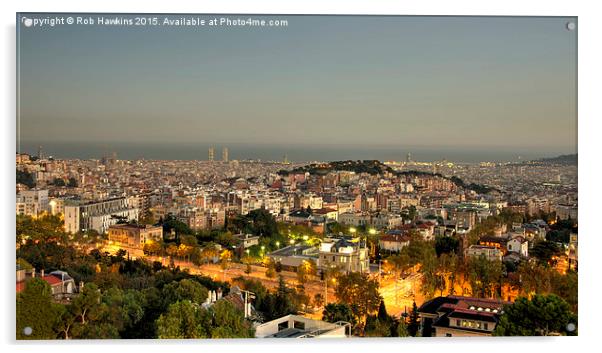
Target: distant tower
211	154
409	157
40	155
285	159
225	154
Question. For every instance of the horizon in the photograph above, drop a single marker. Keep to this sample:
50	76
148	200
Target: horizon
271	152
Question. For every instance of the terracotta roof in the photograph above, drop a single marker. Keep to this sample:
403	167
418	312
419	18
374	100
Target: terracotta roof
396	238
324	211
50	279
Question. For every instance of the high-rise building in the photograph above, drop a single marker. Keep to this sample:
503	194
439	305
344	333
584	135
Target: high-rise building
225	154
409	157
211	154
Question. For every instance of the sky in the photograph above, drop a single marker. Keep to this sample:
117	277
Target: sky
471	83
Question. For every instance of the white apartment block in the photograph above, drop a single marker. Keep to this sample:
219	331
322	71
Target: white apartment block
98	215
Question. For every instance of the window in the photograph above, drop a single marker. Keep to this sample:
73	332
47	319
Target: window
282	326
485	326
448	335
457	322
299	325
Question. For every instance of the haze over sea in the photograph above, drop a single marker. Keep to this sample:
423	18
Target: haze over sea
271	152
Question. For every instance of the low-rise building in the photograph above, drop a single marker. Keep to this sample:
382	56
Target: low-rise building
134	235
518	245
489	252
458	316
295	326
393	241
349	254
291	257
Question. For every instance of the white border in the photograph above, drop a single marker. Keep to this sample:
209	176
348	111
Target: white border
589	127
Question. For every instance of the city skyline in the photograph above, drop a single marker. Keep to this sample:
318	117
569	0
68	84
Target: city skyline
406	83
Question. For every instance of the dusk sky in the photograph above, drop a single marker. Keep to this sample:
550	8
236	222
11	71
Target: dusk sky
466	82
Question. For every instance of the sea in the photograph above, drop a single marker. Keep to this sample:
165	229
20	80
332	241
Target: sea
279	153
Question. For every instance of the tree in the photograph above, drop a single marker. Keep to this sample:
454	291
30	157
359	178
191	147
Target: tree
229	322
543	315
209	252
431	279
186	289
124	309
544	251
72	182
280	303
184	319
414	324
36	310
566	286
402	328
485	276
58	182
225	258
180	228
318	300
377	328
153	247
86	305
94	318
446	245
271	269
358	289
533	278
305	271
25	178
335	312
172	250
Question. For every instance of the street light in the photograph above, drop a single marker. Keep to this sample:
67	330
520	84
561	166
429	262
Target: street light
292	241
305	237
372	231
278	244
352	230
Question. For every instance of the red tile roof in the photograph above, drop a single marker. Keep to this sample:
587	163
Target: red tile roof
50	279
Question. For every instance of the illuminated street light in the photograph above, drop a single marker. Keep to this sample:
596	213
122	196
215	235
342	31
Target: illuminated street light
278	244
352	230
292	241
372	231
305	237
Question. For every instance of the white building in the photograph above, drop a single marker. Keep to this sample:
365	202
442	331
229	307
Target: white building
344	252
518	245
32	202
294	326
98	215
491	253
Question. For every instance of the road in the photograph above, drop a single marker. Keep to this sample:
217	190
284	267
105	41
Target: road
398	294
